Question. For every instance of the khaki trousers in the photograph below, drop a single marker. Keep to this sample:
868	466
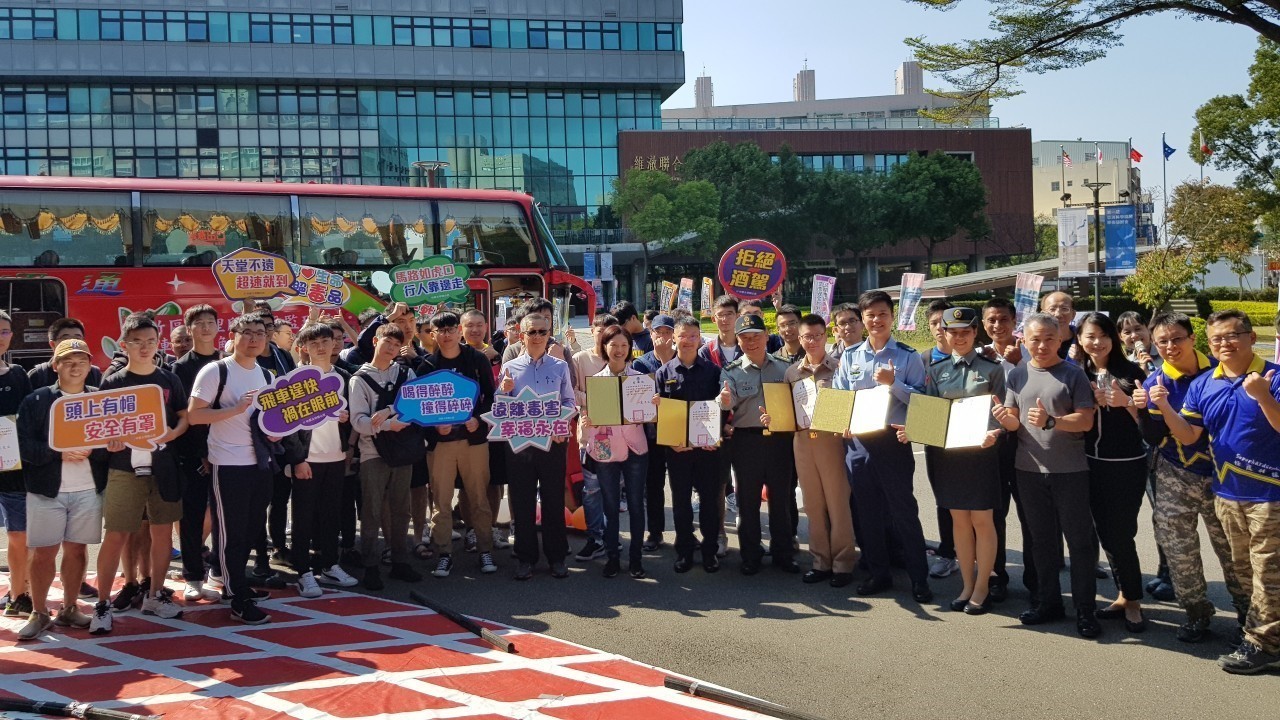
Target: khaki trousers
448	461
820	468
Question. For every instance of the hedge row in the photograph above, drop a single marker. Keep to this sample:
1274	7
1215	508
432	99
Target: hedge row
1261	314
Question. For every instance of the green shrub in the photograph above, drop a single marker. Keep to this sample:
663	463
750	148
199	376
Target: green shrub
1202	338
1261	314
1233	293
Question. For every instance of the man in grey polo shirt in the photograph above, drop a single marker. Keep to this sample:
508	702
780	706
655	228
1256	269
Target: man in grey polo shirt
1049	403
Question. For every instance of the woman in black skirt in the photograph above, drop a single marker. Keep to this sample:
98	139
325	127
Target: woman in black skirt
1117	462
970	486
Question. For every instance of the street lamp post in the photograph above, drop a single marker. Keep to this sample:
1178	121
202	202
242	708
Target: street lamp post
1097	242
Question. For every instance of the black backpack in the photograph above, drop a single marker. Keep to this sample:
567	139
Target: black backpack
401	447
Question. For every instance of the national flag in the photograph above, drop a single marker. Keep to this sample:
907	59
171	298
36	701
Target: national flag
1204	146
1066	159
1134	155
1098	150
1168	151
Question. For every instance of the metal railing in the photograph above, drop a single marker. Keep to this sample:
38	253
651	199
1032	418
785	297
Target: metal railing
903	123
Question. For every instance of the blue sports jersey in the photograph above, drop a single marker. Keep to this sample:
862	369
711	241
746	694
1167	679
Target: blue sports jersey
1246	454
1195	458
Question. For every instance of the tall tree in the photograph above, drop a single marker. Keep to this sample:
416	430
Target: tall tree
934	197
848	212
1217	222
1040	36
1163	274
660	210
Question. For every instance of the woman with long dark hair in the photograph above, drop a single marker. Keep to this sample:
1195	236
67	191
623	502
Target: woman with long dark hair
1117	461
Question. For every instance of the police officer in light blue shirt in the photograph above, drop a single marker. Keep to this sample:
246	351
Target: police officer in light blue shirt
880	468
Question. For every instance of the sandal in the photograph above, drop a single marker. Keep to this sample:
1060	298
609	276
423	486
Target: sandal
423	551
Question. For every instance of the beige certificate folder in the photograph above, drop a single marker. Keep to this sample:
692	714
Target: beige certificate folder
946	423
626	400
832	410
688	424
778	403
604	401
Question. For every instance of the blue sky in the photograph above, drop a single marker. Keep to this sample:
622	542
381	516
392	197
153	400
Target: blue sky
1166	68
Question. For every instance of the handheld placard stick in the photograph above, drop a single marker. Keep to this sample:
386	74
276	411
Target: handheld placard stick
466	623
71	710
738	700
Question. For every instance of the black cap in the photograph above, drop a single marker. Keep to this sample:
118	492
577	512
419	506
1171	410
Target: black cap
748	324
663	321
955	318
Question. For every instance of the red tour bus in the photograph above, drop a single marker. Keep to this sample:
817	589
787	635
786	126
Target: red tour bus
99	248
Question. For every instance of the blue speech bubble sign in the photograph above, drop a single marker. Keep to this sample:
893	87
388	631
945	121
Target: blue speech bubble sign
443	397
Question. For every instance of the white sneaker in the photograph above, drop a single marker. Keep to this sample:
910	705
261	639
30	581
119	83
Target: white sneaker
722	546
337	576
500	540
731	502
197	591
218	588
162	605
307	586
941	567
100	623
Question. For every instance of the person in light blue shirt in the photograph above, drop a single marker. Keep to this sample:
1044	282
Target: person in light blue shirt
881	469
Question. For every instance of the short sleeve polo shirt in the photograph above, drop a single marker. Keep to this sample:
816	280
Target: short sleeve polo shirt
1246	454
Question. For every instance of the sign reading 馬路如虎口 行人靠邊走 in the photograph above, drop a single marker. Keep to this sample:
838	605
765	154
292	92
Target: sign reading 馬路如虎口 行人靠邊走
432	280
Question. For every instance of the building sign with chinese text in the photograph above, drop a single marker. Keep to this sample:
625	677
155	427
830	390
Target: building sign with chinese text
528	419
752	269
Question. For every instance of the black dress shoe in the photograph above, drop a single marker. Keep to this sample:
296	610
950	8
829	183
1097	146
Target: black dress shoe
612	567
1087	624
750	567
1042	614
998	593
921	592
1113	612
1135	627
972	608
684	564
958	604
637	570
790	566
839	580
711	563
875	586
815	576
651	543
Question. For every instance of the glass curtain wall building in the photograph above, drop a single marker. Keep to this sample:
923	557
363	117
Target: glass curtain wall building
273	90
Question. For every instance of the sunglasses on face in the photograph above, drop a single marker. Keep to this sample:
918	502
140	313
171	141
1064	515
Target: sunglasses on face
537	333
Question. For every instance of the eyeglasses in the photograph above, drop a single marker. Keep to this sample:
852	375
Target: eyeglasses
447	331
6	333
1231	337
726	316
1171	342
812	338
537	333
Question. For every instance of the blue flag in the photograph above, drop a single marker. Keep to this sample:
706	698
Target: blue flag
1168	150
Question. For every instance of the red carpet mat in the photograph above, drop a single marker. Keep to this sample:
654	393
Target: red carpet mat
339	656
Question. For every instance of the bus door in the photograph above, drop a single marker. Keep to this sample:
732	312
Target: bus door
506	290
33	303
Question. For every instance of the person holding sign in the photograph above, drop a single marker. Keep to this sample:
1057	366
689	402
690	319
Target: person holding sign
143	484
241	479
760	459
690	377
1117	456
621	454
461	450
880	468
14	387
1049	403
63	497
534	475
968	479
819	464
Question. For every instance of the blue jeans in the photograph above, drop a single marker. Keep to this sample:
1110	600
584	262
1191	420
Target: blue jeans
592	505
635	470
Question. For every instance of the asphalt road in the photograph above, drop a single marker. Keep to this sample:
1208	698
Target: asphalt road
828	652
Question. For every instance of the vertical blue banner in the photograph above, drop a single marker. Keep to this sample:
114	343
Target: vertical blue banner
589	266
1121	223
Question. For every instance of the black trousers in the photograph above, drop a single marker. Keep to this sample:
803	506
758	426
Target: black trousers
349	509
695	470
1007	449
1057	506
240	497
315	517
278	518
881	474
763	461
534	475
656	491
195	503
946	534
1116	489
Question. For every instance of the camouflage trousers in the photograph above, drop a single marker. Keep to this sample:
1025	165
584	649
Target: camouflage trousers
1253	529
1181	499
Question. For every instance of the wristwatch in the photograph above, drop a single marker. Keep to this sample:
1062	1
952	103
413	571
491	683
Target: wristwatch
1048	424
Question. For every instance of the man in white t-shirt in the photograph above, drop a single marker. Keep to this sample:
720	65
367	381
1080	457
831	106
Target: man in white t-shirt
64	507
222	398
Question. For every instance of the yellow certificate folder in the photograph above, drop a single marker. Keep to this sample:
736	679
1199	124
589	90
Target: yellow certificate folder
781	407
688	424
832	410
604	401
673	422
943	423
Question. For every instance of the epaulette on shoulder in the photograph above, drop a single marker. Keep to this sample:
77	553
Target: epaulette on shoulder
735	363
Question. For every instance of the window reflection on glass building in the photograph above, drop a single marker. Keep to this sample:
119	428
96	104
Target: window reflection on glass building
257	91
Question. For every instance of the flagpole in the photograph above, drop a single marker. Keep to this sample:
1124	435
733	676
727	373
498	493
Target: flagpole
1164	189
1062	160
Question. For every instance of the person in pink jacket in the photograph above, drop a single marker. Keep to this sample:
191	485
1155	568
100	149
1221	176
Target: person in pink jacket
622	455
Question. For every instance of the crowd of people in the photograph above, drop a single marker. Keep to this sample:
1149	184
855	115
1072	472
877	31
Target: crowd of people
1087	417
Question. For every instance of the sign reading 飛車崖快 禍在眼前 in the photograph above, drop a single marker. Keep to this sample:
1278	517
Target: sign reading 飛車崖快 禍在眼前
300	400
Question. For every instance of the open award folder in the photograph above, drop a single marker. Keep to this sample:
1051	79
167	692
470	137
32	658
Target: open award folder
804	396
858	412
943	423
780	406
621	400
688	424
